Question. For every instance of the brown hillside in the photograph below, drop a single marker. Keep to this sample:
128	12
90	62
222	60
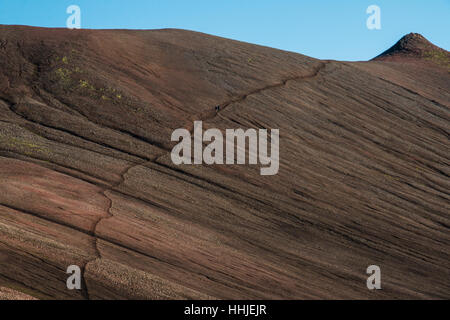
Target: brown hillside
86	176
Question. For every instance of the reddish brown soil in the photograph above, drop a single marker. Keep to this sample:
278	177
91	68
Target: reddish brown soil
10	294
86	177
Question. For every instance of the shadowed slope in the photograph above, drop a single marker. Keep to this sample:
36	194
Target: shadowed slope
86	176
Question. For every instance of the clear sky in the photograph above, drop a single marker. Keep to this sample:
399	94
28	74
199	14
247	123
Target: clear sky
326	29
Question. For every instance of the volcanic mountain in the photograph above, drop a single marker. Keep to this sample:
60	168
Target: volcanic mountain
86	176
414	45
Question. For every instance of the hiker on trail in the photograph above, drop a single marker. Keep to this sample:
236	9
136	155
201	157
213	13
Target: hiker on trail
217	108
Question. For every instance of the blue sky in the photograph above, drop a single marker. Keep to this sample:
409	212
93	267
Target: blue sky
326	29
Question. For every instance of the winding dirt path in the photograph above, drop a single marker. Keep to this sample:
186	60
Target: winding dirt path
210	116
203	117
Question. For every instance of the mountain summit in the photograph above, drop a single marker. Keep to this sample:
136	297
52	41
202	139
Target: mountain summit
414	45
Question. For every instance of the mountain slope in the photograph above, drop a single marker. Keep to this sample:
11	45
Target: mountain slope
86	177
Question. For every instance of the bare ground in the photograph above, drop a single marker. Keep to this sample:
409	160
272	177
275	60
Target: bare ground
86	176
